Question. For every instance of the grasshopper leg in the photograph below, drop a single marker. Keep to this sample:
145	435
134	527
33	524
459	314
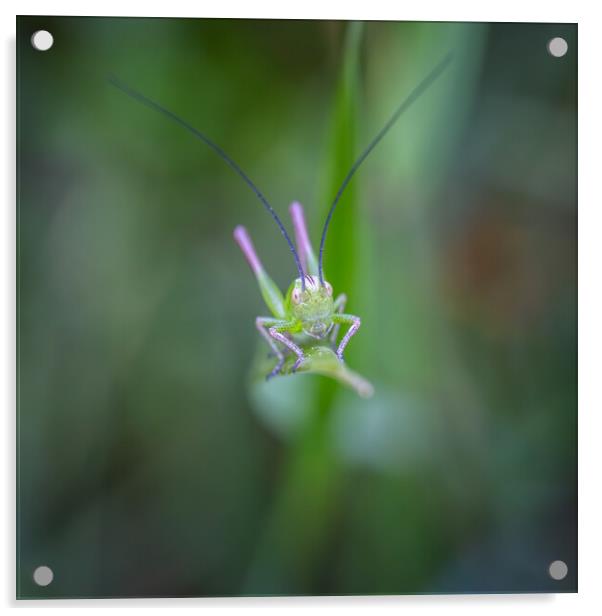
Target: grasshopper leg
346	319
269	290
278	332
273	330
262	324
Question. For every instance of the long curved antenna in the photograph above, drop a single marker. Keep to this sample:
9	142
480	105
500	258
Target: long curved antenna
172	116
412	97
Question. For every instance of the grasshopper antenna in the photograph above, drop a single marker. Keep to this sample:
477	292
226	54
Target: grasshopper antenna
137	96
414	95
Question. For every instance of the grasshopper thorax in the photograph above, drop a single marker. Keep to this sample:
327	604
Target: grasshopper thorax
312	306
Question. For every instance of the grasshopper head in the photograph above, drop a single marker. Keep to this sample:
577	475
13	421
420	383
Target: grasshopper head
312	306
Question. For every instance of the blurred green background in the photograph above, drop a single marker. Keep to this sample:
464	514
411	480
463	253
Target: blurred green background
152	460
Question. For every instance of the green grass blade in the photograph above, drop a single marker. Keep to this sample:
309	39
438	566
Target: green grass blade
339	255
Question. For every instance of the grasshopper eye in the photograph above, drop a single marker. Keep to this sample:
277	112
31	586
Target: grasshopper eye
328	288
296	296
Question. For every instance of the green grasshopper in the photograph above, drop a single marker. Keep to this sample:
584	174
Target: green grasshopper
308	311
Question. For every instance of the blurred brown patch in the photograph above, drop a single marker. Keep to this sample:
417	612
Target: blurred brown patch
503	267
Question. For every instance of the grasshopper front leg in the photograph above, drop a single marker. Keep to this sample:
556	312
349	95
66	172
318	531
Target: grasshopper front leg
274	329
354	322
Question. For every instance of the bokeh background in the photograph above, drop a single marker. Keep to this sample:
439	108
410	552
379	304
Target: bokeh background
152	458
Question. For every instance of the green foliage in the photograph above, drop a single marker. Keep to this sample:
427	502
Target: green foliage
323	361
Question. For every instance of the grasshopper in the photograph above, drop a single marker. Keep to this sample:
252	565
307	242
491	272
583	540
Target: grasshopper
308	311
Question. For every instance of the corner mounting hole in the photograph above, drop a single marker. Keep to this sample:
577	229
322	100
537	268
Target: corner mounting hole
43	575
558	570
42	40
557	47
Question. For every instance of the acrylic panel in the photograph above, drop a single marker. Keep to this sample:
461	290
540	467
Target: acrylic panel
402	418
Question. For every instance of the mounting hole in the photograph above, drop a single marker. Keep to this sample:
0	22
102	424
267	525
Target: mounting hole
558	570
42	40
557	47
43	576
